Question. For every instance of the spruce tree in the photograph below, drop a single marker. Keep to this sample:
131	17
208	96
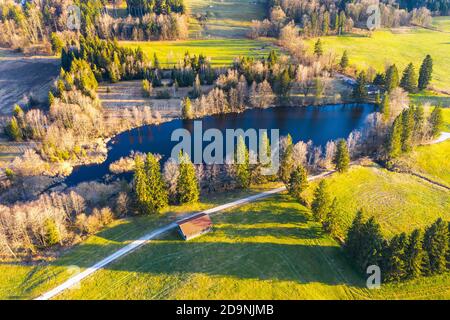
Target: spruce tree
384	108
342	156
140	184
330	223
52	235
436	121
186	109
419	122
318	50
394	147
394	258
242	164
436	246
156	63
353	241
298	183
425	73
157	193
287	160
320	206
414	255
187	184
407	129
344	61
372	244
392	78
13	131
409	79
360	89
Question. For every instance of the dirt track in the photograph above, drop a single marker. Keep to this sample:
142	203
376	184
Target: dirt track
22	77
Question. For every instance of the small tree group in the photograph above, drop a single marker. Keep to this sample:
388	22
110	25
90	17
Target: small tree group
409	129
149	187
325	209
403	256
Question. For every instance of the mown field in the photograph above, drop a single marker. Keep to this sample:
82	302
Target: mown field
221	52
224	18
399	46
266	250
25	281
399	202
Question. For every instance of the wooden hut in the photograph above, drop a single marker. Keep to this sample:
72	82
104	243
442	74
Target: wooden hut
194	226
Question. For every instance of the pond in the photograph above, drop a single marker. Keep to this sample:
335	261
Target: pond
318	124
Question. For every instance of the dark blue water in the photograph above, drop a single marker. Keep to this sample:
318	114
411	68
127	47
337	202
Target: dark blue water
319	124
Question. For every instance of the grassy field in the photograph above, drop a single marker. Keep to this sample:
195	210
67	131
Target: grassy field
221	52
442	23
266	250
225	18
24	281
399	202
397	46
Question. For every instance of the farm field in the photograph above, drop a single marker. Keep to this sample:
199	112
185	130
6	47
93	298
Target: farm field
400	202
25	281
24	77
266	250
224	18
399	46
222	52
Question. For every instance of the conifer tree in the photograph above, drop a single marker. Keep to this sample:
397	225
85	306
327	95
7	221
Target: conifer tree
287	160
187	184
330	223
52	235
140	185
394	259
242	164
344	61
409	79
320	206
298	183
407	129
419	121
414	255
342	156
436	121
425	73
353	241
384	108
186	109
392	78
318	50
156	63
13	131
436	246
394	147
360	89
157	193
326	23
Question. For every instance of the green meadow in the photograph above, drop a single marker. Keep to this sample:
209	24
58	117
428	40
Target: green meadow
400	202
270	249
399	46
221	52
